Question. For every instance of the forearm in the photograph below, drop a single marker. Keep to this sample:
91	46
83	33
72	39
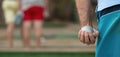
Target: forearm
83	7
46	4
19	4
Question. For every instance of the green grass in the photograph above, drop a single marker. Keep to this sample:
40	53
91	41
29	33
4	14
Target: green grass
45	54
54	25
45	25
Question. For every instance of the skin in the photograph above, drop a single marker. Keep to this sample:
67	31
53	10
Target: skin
83	7
9	30
26	29
37	31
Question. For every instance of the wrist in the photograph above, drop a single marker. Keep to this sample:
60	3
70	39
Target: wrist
86	24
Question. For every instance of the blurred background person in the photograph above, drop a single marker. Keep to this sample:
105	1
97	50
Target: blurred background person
33	11
60	32
10	8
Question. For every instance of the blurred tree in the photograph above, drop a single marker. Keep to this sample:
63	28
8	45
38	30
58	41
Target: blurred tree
65	10
60	9
1	13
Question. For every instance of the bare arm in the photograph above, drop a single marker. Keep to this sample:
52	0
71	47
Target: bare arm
46	7
46	4
85	37
19	4
83	7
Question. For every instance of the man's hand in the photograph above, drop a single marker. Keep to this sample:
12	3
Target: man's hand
85	36
88	37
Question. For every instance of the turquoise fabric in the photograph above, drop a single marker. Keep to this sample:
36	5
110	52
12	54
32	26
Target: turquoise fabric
108	44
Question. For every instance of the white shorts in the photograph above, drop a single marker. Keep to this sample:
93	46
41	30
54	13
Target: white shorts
10	8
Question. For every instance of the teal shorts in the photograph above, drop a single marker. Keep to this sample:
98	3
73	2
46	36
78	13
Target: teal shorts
108	44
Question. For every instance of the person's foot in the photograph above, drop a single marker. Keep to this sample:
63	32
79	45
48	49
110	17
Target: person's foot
39	42
26	43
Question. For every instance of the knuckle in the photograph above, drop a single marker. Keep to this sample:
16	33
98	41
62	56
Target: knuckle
81	40
90	34
86	35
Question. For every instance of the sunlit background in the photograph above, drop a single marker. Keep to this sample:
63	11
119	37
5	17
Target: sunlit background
60	34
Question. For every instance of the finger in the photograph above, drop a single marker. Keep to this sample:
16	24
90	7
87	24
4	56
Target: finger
91	38
87	41
82	37
96	33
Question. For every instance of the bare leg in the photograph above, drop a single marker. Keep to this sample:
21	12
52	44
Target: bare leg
26	31
22	32
10	28
38	31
